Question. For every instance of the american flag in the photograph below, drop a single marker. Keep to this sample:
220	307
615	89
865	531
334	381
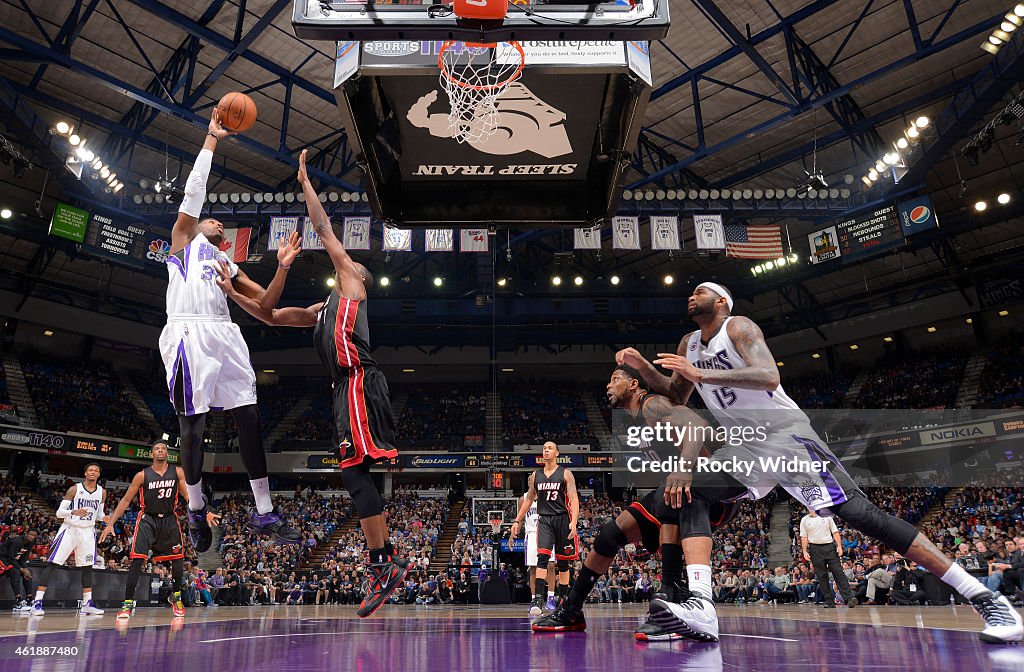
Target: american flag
753	242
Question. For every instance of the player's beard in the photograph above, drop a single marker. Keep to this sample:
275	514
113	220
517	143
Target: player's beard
699	309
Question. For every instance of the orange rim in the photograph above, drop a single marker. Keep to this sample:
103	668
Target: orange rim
480	87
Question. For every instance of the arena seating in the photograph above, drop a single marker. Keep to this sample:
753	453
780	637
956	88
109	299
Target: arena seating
1002	381
535	412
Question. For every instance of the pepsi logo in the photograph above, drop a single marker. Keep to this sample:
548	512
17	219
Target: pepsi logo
920	214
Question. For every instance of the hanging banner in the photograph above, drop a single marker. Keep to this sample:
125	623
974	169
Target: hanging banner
310	238
397	240
439	240
357	233
587	239
626	233
473	240
917	214
236	244
280	228
710	232
664	232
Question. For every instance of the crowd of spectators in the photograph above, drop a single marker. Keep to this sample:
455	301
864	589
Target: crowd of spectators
820	389
1002	381
442	416
925	379
535	412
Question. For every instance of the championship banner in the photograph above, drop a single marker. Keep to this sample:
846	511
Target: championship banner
397	240
664	232
236	244
473	240
824	245
439	240
587	238
310	238
357	233
626	233
710	232
280	227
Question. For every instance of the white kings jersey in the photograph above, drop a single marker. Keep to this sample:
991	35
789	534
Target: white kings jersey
720	353
532	519
91	501
192	289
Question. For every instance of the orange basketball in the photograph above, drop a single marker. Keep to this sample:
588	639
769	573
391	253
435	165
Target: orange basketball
237	112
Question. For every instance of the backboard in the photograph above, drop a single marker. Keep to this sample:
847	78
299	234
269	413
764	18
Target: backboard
526	20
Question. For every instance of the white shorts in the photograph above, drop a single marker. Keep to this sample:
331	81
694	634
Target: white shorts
78	540
214	363
531	549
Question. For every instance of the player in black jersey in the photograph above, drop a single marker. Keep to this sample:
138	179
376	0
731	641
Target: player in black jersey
157	530
553	487
652	521
364	429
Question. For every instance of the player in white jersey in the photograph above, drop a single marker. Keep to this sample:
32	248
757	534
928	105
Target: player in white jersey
530	524
205	356
730	365
80	510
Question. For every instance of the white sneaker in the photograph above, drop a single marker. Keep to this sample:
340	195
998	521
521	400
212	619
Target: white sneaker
26	607
695	618
91	609
36	609
1003	623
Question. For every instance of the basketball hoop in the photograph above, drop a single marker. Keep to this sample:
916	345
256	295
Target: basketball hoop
474	76
496	526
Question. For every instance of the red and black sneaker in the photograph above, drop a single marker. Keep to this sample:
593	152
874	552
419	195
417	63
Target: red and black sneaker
385	577
177	606
563	619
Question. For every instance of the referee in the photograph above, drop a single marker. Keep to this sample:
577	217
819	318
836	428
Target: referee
819	539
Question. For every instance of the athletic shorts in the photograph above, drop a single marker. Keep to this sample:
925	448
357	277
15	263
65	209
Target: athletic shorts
364	429
651	512
78	540
531	549
159	535
207	358
553	533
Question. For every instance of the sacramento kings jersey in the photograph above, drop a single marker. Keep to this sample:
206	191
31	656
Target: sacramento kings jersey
720	353
83	499
552	497
342	336
192	287
159	494
531	518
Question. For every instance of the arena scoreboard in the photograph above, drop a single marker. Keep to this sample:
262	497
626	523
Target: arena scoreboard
108	237
870	232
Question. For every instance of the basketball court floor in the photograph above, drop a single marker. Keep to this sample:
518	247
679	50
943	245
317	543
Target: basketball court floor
469	638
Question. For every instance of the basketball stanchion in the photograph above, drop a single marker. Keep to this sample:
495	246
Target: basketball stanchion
495	590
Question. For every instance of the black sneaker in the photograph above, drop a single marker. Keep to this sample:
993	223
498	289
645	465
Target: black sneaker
537	606
385	577
1003	623
564	619
199	532
651	631
272	524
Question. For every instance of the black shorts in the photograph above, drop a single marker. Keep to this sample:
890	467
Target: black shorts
160	536
553	532
364	428
651	512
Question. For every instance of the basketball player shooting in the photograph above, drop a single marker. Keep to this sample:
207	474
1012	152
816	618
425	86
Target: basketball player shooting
364	428
206	358
728	362
156	529
554	488
79	511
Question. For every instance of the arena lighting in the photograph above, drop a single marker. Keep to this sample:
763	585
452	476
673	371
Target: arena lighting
854	346
1003	199
780	363
330	282
922	122
408	370
932	330
614	280
578	281
384	281
63	127
887	339
137	198
118	187
669	279
815	355
6	213
74	140
880	166
980	206
556	281
98	165
902	143
1019	10
969	320
507	370
891	159
438	281
47	333
912	132
1003	313
867	181
502	282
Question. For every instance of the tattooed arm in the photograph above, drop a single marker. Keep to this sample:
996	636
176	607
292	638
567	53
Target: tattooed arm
677	388
760	373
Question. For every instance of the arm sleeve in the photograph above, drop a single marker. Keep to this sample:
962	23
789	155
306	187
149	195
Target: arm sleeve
195	187
65	509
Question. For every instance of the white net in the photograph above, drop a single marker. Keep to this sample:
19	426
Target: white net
474	79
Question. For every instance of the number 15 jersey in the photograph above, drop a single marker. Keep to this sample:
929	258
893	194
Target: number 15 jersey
159	493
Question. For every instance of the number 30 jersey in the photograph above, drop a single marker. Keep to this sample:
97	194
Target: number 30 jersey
159	493
720	353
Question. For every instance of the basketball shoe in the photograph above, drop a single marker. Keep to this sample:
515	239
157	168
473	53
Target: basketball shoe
37	608
537	606
272	524
384	577
696	618
1003	623
199	531
126	610
565	618
653	632
552	603
90	609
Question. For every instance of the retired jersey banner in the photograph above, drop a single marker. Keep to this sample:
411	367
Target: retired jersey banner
236	244
397	240
357	233
710	232
310	238
280	228
665	232
587	239
626	233
439	240
473	240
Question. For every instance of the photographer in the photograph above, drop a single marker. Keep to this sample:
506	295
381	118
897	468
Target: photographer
908	584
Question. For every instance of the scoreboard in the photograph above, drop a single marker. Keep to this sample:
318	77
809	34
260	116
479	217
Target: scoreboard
870	232
123	242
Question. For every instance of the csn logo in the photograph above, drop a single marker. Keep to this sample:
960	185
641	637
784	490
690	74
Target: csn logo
159	250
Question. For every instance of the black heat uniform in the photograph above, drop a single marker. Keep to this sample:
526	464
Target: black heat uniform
363	427
157	530
553	517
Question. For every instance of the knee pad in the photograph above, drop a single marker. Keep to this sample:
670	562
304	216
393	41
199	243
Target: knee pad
609	540
87	577
864	516
563	566
359	484
694	519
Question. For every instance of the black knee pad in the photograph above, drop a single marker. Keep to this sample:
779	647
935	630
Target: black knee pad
695	519
359	483
864	516
87	577
609	540
563	566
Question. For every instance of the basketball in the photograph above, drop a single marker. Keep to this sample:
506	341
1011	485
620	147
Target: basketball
237	112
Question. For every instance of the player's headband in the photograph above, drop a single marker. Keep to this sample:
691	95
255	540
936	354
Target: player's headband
718	289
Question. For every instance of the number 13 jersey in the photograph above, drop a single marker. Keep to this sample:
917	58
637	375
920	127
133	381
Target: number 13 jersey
552	498
159	494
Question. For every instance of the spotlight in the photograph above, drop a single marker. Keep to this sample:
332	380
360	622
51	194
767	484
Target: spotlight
384	281
6	214
143	184
1019	10
105	173
148	198
330	282
892	158
880	166
854	346
1002	35
922	122
780	262
159	198
815	356
438	281
969	320
1003	313
278	197
112	178
223	198
659	194
258	197
556	281
867	181
246	197
137	198
780	364
74	140
1003	199
669	279
912	132
118	187
578	281
63	127
502	282
932	330
990	48
627	195
793	258
980	206
887	339
614	280
84	154
902	143
234	197
289	197
873	175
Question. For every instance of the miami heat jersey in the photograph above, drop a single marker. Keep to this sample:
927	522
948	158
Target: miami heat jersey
342	336
192	289
720	353
159	493
552	496
91	501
